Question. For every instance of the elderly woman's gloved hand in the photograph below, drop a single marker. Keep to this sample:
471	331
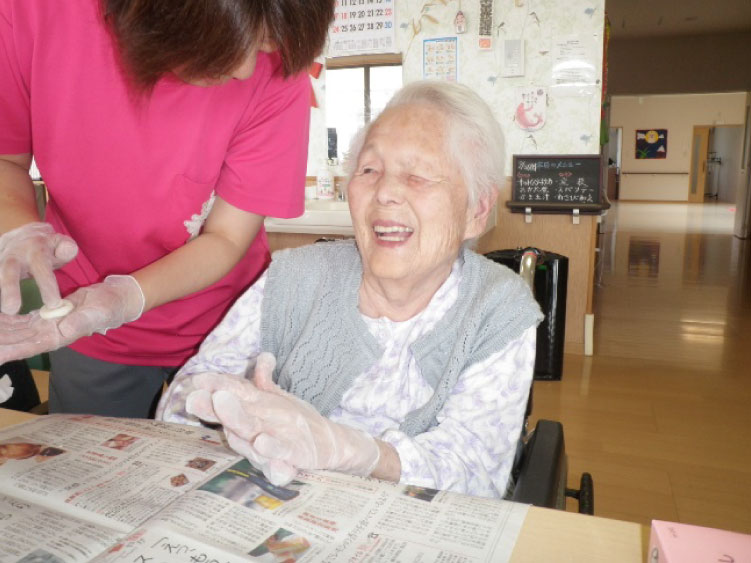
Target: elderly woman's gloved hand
32	250
96	308
276	430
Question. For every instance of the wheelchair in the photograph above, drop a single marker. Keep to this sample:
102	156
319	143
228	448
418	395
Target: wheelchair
540	471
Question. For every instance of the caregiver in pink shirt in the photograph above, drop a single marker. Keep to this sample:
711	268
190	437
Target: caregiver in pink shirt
165	131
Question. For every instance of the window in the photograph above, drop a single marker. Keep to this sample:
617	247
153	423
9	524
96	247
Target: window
357	89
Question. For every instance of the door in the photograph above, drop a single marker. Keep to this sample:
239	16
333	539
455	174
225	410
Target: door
742	227
698	175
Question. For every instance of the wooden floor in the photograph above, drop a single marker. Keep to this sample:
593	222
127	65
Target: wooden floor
661	414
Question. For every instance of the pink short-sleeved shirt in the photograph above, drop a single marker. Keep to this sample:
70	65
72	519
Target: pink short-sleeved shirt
130	178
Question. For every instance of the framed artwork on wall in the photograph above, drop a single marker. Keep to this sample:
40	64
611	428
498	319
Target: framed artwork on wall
651	143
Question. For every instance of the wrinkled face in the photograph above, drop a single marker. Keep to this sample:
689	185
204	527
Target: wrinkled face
408	200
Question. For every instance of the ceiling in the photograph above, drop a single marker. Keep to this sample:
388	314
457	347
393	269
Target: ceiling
649	18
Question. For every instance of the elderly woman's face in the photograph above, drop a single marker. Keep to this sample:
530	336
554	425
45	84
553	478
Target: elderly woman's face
408	200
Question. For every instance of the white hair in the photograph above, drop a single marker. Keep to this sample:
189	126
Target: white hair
474	139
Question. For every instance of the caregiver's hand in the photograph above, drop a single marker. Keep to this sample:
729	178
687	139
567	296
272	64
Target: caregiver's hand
32	250
279	427
97	308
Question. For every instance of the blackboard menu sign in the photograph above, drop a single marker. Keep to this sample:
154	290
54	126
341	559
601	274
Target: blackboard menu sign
557	184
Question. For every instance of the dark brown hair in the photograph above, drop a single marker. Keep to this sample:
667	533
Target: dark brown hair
209	38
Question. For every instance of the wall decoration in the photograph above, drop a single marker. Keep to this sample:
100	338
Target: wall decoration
439	59
315	72
530	108
362	26
485	32
513	58
651	143
557	184
415	23
574	71
460	23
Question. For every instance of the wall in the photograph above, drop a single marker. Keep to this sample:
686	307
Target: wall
678	114
572	122
679	64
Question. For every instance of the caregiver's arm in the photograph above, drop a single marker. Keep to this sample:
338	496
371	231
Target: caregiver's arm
231	348
119	299
17	197
224	240
28	247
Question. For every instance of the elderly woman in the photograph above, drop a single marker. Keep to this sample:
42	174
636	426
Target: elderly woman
403	354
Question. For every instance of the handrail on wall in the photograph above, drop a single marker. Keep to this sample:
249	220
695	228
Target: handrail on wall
654	173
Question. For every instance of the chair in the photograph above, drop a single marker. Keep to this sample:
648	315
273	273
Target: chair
540	469
25	396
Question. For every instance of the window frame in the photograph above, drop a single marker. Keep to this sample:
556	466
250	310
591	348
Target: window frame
365	62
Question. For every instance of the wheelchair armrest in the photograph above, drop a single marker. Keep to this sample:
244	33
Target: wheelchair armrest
542	477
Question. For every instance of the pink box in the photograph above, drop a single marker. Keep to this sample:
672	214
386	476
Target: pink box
670	542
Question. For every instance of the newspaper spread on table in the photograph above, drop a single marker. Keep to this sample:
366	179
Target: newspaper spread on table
81	488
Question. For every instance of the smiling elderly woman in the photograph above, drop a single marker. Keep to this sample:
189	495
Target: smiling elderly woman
403	355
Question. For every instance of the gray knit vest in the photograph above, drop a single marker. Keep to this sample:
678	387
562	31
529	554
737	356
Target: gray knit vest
311	322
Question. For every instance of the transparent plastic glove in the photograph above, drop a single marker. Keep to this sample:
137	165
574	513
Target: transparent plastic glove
199	404
171	407
32	250
97	308
173	404
282	427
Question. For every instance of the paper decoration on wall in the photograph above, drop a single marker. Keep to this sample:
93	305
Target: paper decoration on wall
513	58
460	23
315	72
362	26
485	39
651	143
439	59
574	67
531	108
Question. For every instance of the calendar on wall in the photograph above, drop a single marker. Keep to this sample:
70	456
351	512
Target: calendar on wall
362	26
439	59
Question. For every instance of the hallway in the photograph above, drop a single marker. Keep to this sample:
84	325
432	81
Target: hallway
661	414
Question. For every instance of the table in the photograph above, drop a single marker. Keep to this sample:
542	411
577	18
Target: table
547	535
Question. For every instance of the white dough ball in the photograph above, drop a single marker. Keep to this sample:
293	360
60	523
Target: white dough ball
61	310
